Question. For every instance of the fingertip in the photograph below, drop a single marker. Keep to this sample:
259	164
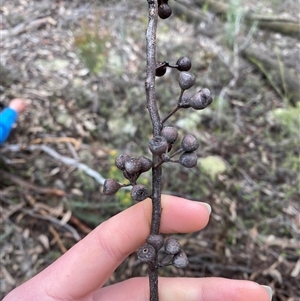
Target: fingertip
269	291
207	206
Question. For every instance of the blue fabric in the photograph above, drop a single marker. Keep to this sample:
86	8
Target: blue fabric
7	118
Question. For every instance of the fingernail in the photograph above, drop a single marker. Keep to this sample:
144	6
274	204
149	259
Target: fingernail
269	290
207	206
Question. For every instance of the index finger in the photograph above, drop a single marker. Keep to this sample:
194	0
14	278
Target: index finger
87	265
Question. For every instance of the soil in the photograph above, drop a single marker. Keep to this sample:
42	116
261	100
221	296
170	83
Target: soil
81	64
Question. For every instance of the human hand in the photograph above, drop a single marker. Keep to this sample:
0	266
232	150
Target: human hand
18	104
82	271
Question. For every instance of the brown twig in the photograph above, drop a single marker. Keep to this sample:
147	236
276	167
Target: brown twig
156	124
26	185
80	225
57	238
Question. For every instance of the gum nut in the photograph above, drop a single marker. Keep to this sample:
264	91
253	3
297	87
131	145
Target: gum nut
120	160
158	145
164	11
170	133
139	192
184	64
146	253
146	163
180	260
185	101
110	187
189	143
188	160
172	246
156	241
201	99
206	94
186	80
160	71
133	166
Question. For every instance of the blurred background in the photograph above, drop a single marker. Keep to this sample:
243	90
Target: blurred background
82	66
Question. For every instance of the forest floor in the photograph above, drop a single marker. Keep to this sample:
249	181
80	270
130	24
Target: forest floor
82	66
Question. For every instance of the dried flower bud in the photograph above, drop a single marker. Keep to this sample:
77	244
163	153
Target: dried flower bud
146	163
201	99
139	192
172	246
189	143
164	11
170	133
180	260
120	161
146	253
133	166
158	145
188	160
155	240
184	64
111	186
186	80
160	70
185	101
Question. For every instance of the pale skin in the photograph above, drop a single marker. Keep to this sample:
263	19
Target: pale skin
18	104
79	275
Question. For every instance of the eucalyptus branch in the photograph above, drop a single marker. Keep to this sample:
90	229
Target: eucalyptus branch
160	145
155	118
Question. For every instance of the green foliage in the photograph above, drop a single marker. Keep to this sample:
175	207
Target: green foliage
212	166
287	118
91	47
234	16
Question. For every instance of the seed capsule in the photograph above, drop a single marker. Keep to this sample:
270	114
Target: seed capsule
189	143
160	70
111	186
146	253
201	99
139	192
164	11
172	246
146	163
184	64
180	260
188	160
186	80
133	166
170	133
185	101
120	161
158	145
155	240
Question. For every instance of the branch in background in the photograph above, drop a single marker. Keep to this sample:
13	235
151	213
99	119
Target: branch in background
26	185
26	26
52	153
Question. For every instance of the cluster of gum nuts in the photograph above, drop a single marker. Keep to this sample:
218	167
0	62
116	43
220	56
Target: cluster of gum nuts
173	253
186	80
133	167
161	145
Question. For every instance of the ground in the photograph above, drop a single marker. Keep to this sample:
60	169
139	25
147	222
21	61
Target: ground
82	66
